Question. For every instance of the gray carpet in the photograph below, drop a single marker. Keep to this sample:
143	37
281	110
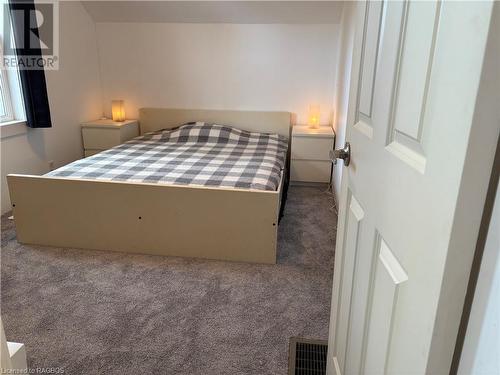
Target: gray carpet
92	312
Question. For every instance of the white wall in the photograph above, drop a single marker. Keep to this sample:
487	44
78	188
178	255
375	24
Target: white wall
343	75
219	66
74	96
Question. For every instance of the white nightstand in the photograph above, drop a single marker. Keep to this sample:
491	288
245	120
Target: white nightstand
100	135
310	153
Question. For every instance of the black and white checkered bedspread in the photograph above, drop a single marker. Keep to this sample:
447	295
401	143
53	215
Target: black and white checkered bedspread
193	154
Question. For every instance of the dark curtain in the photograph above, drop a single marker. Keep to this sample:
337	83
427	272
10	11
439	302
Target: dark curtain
33	84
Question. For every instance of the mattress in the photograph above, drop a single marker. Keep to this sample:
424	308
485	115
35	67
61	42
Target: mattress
198	154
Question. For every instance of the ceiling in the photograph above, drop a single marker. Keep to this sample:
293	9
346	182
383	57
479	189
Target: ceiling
245	12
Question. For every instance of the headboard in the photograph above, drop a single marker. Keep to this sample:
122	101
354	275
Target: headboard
152	119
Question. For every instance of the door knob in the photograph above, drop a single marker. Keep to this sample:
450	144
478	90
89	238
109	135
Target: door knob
342	153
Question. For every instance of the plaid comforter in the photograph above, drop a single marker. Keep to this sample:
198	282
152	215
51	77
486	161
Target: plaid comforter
193	154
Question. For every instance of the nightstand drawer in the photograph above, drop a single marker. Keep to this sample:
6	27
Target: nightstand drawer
104	134
98	138
310	171
311	148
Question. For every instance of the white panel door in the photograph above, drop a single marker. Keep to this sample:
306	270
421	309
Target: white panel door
416	75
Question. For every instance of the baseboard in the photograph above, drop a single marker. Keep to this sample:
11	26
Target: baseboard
17	353
312	184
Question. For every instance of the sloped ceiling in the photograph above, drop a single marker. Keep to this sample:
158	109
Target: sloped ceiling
246	12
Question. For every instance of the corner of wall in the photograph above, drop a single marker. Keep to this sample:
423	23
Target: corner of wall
99	65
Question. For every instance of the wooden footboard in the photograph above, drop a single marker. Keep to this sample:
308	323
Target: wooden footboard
215	223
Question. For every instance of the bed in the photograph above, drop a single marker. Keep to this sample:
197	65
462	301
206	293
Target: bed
196	183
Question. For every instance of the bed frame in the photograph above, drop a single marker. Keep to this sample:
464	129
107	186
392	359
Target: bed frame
202	222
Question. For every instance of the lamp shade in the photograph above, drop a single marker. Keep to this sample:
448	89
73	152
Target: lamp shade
313	116
118	110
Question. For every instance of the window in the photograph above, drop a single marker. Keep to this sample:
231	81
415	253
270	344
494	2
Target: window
24	91
11	99
6	110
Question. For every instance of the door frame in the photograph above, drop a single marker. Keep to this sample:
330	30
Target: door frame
479	158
